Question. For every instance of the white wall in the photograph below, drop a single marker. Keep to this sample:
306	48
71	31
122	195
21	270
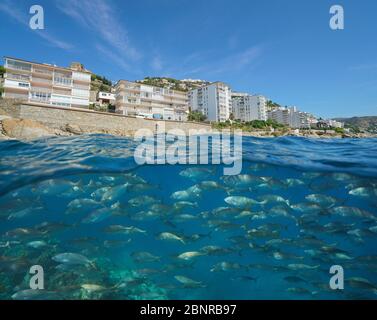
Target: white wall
80	76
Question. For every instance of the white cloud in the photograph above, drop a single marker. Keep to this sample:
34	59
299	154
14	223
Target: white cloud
117	59
234	62
100	17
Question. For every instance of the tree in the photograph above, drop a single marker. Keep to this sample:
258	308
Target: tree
196	116
2	71
339	130
111	108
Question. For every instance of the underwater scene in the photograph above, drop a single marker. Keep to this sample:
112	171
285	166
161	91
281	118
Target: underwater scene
103	227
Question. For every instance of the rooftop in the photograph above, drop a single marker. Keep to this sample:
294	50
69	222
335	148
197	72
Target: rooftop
44	64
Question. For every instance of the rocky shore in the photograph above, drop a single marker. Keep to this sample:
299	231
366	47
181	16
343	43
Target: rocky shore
33	122
307	134
27	129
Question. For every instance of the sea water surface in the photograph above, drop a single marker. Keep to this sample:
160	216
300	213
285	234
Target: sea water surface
103	227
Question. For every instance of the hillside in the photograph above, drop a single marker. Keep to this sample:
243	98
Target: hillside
100	83
175	84
361	123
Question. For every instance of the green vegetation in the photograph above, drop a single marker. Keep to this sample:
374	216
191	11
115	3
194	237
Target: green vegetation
164	83
100	83
360	124
196	116
171	83
111	108
272	105
352	128
101	79
104	108
250	126
95	107
339	130
2	71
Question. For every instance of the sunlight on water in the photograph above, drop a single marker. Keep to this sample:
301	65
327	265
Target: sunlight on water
104	228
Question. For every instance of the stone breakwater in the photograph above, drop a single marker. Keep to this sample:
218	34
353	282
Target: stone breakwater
27	121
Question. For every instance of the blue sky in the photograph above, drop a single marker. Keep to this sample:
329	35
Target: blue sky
282	49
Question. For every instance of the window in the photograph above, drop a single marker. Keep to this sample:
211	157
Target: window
17	76
12	64
62	81
40	96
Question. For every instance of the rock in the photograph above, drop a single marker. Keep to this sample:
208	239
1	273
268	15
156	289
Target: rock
24	129
71	128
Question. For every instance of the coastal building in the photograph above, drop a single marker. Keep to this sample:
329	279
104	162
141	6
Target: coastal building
105	98
213	100
334	123
249	107
46	84
288	116
138	99
329	123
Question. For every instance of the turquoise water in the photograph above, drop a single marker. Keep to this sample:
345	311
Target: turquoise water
103	227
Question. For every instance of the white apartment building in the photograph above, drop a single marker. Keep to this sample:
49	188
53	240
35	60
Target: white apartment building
288	116
334	123
213	100
249	107
328	123
132	98
46	84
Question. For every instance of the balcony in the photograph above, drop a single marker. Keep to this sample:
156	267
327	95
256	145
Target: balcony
64	82
40	90
79	86
62	91
42	71
15	65
19	77
41	80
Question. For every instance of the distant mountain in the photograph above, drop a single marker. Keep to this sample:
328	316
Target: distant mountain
361	123
175	84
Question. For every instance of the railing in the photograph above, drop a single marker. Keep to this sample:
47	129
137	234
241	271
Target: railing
10	66
42	80
64	92
42	71
40	99
79	86
42	90
17	77
131	87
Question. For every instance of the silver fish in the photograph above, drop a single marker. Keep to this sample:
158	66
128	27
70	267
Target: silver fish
72	258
